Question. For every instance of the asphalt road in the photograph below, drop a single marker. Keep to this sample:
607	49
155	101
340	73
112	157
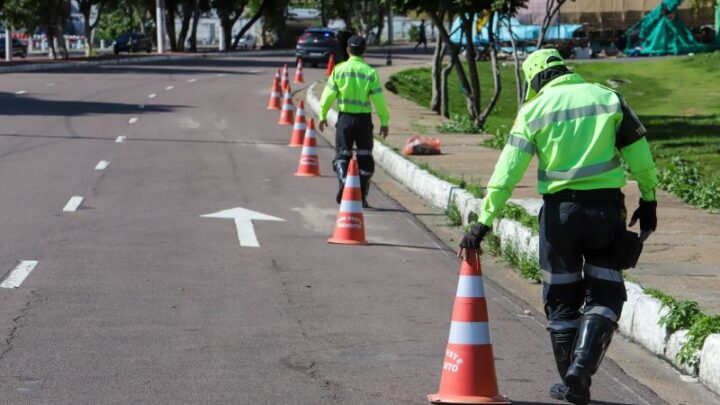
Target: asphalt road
138	299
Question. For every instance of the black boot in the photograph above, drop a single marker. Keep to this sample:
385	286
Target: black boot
562	344
594	336
365	187
340	168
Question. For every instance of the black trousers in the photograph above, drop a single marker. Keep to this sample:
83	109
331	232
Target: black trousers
354	129
577	231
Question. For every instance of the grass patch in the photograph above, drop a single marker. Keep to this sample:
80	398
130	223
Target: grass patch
475	189
678	100
529	267
519	214
453	212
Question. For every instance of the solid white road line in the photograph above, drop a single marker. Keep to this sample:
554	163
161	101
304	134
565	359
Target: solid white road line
169	87
120	139
153	95
73	204
132	120
20	92
18	275
192	80
102	165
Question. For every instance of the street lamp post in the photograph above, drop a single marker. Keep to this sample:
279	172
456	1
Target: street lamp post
8	42
160	18
390	22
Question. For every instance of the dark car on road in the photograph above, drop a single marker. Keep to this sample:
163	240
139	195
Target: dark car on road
133	42
19	48
316	45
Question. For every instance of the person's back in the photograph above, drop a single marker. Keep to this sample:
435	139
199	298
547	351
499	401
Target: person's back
355	81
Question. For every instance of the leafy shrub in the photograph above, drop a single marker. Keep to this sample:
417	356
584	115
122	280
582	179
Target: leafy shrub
498	140
687	181
460	124
703	327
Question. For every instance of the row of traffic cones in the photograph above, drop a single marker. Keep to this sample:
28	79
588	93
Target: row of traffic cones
468	374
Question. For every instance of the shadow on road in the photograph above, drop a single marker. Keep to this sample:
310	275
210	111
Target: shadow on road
27	105
439	248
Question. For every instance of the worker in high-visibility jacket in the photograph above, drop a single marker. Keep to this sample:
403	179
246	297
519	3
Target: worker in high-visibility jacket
355	85
579	132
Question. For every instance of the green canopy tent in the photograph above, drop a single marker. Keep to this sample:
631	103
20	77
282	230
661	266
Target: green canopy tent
661	32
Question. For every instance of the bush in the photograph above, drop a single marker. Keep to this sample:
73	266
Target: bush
686	180
414	33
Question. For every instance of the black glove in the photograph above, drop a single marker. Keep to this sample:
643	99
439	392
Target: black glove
647	214
473	238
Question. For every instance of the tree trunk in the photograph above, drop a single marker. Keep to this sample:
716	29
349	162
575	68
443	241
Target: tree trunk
187	13
516	59
497	84
323	14
454	57
551	9
470	57
381	24
193	31
250	23
170	26
444	101
436	73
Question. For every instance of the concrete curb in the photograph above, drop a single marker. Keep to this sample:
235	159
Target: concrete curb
35	67
641	314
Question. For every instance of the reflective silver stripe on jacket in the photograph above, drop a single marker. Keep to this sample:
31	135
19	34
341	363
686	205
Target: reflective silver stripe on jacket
349	101
560	278
375	91
332	86
522	144
571	114
603	273
600	310
558	326
580	172
369	78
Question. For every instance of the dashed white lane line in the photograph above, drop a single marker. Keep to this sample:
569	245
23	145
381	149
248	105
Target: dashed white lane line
102	165
73	204
50	84
18	275
153	95
132	120
169	87
221	74
120	139
255	71
20	92
192	80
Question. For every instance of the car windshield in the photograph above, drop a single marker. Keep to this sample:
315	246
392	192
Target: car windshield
124	37
309	35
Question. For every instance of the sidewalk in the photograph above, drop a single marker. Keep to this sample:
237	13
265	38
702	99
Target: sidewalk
681	259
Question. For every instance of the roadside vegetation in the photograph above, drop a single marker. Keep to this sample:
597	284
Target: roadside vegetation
678	100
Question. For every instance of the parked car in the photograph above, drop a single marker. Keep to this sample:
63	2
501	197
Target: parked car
19	48
132	42
316	45
248	41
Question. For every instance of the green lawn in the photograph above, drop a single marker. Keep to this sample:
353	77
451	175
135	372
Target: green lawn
678	100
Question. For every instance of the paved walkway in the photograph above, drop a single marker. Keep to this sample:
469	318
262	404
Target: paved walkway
682	258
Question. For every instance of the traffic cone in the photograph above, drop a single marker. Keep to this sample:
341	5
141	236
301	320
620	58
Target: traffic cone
284	82
331	65
468	375
309	164
298	131
275	94
299	72
388	61
286	113
350	224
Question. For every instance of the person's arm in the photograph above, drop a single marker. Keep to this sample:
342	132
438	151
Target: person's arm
378	99
328	97
509	170
635	151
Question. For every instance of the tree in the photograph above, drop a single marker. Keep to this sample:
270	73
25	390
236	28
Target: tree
86	8
229	11
551	9
261	8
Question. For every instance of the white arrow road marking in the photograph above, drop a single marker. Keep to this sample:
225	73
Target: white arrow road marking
102	165
18	275
192	80
153	95
132	120
169	87
120	139
243	222
73	204
20	92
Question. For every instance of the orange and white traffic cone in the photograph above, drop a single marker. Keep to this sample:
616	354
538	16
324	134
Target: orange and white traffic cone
350	224
468	375
299	72
330	65
275	94
284	82
298	131
309	164
286	113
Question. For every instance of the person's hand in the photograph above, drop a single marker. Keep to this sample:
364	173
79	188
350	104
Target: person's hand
384	131
646	212
322	124
473	238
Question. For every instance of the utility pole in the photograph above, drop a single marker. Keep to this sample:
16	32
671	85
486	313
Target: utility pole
390	22
160	18
8	42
